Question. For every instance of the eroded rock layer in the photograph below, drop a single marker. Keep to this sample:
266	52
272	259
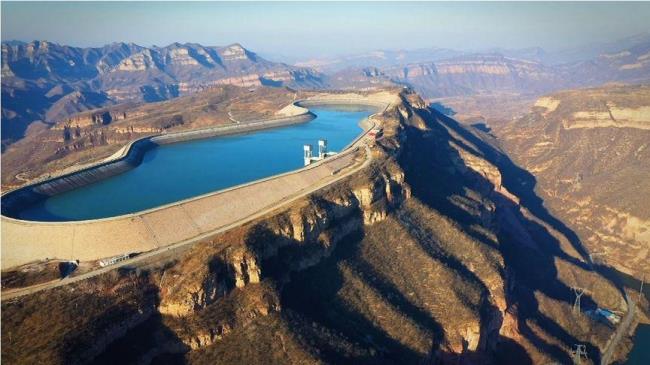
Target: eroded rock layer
429	255
589	150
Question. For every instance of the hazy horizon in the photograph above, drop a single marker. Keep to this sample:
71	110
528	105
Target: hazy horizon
324	28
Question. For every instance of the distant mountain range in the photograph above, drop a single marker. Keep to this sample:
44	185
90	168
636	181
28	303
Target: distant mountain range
46	81
379	59
490	73
391	58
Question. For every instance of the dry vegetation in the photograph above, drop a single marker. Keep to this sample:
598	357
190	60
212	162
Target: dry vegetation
47	149
592	166
63	325
456	273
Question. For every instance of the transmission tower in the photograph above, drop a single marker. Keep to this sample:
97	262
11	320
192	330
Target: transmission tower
578	353
576	305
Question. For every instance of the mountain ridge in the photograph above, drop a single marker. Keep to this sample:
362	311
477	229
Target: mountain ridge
38	74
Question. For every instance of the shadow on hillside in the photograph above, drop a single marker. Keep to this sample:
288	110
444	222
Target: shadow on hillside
491	318
316	303
443	109
431	174
149	339
519	182
313	295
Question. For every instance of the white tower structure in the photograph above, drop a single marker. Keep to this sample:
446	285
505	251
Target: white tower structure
307	154
576	305
322	148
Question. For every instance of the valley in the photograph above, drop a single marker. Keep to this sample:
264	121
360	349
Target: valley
432	183
415	256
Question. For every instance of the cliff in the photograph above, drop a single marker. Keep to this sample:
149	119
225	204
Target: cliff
589	151
47	81
430	254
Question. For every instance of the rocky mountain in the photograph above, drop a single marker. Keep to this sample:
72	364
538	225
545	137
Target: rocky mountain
465	75
523	72
437	252
379	58
394	58
46	81
593	50
628	65
590	152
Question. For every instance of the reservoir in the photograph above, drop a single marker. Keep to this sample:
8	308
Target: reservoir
173	172
640	354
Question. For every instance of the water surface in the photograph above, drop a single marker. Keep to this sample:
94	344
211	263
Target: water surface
640	354
174	172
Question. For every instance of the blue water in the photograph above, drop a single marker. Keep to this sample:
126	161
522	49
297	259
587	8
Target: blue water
640	354
179	171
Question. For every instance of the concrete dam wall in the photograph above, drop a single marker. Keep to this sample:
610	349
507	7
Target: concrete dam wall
130	158
28	241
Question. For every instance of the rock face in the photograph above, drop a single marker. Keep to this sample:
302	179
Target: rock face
209	283
47	81
427	255
589	150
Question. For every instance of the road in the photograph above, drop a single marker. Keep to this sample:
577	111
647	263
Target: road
621	330
15	293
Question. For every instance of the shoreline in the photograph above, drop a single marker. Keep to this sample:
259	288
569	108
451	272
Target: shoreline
130	156
149	230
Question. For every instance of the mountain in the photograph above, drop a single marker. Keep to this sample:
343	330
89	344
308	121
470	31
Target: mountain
463	75
626	65
590	152
41	75
379	58
593	50
432	254
530	72
496	73
89	136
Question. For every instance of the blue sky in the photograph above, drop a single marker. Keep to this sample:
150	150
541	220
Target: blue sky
314	29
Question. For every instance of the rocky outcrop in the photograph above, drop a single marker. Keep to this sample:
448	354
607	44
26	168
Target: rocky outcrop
211	281
117	73
588	148
317	226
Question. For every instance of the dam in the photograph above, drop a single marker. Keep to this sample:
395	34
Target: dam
172	172
178	188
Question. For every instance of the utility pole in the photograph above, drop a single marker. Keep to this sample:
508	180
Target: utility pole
578	353
576	305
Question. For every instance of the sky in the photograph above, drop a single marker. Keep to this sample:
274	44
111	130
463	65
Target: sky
313	29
